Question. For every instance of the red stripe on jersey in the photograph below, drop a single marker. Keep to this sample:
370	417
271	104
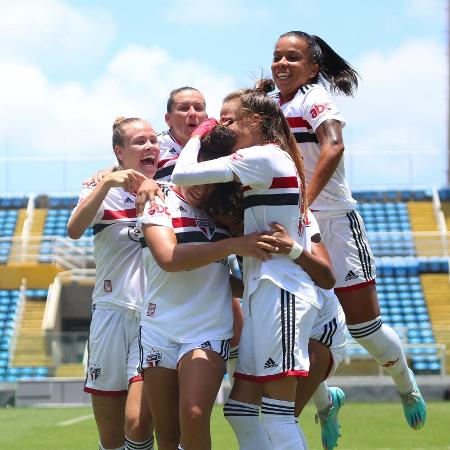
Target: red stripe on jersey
110	214
180	222
278	183
284	182
298	122
165	161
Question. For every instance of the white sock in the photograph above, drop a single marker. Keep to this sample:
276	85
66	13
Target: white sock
321	397
279	421
246	424
100	447
145	445
383	343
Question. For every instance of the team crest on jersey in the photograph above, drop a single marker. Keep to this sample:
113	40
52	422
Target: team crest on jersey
107	285
134	233
154	358
94	373
151	309
207	227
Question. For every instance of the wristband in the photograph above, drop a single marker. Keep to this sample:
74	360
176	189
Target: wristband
296	251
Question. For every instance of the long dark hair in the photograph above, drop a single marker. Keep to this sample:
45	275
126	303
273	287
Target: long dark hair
227	198
274	126
336	73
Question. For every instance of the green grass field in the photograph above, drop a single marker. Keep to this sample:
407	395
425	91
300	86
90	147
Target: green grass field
364	426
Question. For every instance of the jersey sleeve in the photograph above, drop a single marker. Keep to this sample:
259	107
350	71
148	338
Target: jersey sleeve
253	166
188	172
317	107
156	215
85	192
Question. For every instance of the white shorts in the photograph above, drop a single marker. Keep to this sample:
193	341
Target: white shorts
275	335
157	350
113	351
345	238
333	335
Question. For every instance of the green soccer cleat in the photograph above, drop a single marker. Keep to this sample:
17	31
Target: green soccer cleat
414	406
329	419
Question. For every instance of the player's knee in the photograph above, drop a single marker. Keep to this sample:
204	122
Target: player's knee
194	417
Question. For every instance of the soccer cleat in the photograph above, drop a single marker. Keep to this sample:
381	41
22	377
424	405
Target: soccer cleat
329	423
414	406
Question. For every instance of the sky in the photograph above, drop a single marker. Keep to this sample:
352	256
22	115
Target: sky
69	68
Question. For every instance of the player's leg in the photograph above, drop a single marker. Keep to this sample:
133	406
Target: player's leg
243	406
238	321
161	388
382	342
109	414
138	420
200	373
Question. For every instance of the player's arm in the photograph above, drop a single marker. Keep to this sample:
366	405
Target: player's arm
329	135
174	257
237	288
316	263
85	212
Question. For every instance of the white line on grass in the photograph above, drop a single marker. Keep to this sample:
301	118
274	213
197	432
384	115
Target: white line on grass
76	420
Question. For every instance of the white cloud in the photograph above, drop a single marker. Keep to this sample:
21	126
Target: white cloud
43	118
401	106
53	33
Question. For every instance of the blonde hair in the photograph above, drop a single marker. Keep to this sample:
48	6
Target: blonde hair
119	127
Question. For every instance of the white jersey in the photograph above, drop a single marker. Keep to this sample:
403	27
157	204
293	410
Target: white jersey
168	155
310	107
120	278
191	305
272	194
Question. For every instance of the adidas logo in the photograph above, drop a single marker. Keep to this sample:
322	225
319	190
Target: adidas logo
206	345
270	363
350	276
180	208
128	200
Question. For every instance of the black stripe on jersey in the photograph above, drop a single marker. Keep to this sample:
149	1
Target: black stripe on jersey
305	136
365	330
164	172
197	236
363	252
305	88
270	200
100	227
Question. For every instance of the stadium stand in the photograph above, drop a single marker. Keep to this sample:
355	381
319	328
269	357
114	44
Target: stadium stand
409	243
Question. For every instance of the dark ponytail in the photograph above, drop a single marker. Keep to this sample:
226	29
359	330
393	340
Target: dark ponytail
334	71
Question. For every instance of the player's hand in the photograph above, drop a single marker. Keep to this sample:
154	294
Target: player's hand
129	180
147	191
283	241
205	127
256	245
98	176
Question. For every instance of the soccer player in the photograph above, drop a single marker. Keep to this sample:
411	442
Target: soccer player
326	351
279	297
120	408
186	109
303	66
187	321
